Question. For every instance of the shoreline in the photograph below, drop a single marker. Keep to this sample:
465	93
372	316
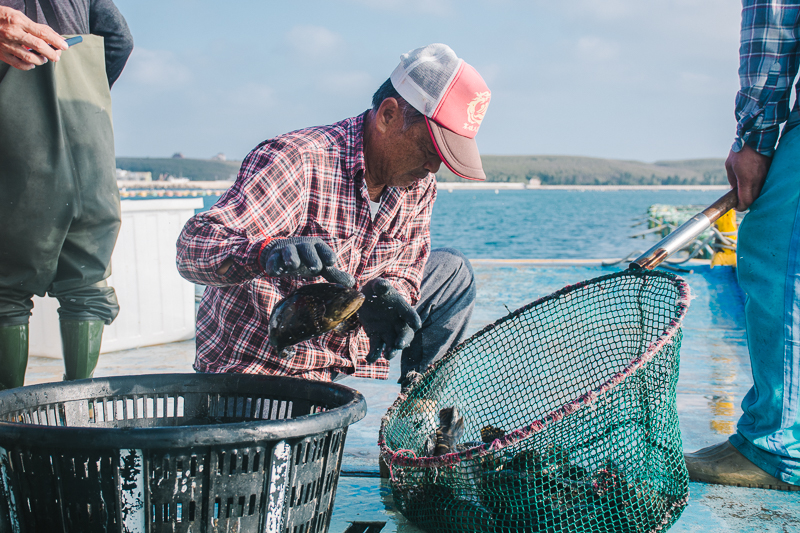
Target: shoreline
608	262
441	185
452	186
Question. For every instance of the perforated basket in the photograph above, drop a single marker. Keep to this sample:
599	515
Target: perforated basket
575	394
173	452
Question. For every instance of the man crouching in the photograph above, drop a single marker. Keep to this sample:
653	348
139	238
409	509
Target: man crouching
350	202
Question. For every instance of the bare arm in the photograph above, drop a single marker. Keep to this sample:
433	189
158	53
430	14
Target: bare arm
19	35
747	170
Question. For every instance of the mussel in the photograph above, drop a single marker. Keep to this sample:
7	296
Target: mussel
311	311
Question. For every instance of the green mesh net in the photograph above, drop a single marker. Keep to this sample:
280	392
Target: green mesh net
569	417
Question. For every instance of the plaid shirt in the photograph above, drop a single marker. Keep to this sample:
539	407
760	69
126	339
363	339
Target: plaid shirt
769	56
305	183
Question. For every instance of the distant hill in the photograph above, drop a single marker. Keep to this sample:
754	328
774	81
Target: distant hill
550	169
571	170
194	169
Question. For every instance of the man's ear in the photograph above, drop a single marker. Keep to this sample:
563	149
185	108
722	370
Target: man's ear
387	115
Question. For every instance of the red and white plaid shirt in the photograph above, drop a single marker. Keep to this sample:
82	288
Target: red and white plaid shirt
305	183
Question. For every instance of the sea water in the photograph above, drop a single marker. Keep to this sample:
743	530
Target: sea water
551	224
547	224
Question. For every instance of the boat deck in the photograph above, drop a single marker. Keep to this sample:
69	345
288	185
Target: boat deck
715	375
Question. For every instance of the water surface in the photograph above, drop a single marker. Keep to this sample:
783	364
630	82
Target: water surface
550	224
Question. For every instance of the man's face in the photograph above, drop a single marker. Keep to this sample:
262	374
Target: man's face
411	156
398	156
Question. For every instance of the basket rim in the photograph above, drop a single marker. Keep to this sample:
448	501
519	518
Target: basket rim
352	408
402	457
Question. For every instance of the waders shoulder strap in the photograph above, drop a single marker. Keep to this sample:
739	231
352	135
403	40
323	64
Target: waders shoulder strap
47	9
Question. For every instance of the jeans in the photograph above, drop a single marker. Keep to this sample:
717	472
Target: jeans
768	268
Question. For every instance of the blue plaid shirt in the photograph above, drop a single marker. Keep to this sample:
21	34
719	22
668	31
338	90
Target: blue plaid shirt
769	53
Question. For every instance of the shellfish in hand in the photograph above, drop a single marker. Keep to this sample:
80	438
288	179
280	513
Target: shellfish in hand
311	311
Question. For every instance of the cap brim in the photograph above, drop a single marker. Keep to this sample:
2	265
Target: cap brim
460	154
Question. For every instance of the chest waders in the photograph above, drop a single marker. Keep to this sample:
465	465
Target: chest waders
59	205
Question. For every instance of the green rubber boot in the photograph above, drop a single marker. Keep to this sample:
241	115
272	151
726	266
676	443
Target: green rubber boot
13	355
80	341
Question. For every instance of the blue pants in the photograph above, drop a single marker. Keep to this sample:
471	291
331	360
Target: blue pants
769	274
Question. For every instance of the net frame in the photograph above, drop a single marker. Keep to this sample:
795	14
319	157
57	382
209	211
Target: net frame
407	461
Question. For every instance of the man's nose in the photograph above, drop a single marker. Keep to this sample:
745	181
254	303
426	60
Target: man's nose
432	165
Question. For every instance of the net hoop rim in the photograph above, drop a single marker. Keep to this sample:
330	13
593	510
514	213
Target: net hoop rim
398	458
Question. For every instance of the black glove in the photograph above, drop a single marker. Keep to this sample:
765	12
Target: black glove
388	320
305	257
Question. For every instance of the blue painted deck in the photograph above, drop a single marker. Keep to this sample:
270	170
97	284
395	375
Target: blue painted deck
715	375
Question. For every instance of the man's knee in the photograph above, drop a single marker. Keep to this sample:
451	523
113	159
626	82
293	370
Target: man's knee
93	302
448	284
15	307
452	265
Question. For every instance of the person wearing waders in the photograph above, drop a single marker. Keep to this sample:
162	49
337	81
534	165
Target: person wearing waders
59	202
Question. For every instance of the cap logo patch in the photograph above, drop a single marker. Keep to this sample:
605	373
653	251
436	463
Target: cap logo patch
476	110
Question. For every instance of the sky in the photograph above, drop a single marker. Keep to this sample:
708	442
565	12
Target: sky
620	79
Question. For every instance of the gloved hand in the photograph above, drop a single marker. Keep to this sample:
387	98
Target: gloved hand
305	257
388	319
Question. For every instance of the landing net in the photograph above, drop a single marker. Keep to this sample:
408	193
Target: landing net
570	421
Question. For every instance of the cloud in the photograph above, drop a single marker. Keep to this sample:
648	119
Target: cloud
315	43
658	65
709	21
606	9
411	7
595	49
253	96
157	69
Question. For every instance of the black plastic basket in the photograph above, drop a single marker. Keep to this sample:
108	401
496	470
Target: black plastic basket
173	452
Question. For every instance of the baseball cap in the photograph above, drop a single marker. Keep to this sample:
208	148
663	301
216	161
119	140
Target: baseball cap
453	97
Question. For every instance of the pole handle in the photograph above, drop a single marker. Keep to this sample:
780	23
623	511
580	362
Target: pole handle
687	232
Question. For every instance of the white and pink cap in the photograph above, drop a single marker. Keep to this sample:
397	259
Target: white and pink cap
453	97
